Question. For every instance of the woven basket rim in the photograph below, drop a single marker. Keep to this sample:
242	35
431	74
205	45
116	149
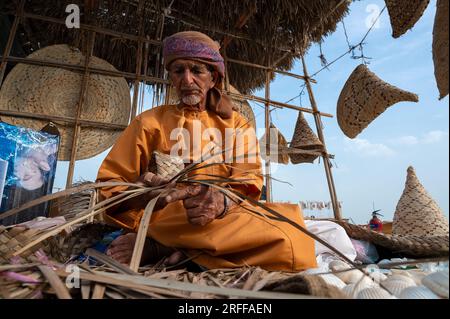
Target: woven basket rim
418	246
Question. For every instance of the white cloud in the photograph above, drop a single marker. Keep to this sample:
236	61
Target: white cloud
405	140
432	137
367	149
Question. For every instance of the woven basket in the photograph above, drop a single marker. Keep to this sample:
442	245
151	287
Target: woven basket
306	285
63	247
13	239
165	165
440	47
304	139
417	213
279	146
410	246
363	98
239	105
60	247
54	91
404	14
74	204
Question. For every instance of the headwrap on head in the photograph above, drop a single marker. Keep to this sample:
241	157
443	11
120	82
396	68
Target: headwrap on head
197	46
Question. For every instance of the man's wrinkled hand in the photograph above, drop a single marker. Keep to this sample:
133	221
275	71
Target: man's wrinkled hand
203	204
151	180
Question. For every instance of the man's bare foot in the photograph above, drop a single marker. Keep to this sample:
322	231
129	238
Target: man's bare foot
121	249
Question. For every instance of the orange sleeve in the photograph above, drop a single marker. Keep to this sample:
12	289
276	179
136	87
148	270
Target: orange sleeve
246	165
128	158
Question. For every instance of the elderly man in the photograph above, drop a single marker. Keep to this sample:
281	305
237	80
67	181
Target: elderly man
196	219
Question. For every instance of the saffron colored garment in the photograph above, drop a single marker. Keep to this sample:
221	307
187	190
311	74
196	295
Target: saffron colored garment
240	238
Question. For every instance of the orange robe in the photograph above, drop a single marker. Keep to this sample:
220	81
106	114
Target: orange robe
240	238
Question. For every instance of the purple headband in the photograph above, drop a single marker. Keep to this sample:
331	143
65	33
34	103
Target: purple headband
178	48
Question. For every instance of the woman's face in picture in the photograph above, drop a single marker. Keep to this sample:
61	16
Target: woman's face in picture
28	173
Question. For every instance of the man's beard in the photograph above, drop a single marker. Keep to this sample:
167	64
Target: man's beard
191	99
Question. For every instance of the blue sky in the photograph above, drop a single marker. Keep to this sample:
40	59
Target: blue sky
371	168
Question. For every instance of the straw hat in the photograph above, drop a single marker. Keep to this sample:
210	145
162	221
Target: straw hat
417	213
304	139
364	97
404	14
440	47
281	146
54	91
239	105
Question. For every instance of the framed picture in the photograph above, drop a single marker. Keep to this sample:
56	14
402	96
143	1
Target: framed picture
28	160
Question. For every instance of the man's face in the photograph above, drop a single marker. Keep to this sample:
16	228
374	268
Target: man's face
192	81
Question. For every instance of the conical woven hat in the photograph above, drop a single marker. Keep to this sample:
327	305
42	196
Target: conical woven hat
240	105
281	146
417	213
304	139
404	14
440	47
54	91
364	97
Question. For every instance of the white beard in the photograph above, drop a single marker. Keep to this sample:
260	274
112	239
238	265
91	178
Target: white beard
191	100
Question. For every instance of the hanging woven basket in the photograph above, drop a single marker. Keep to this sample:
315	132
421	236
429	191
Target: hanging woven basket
440	47
365	97
404	14
278	147
417	213
305	146
50	91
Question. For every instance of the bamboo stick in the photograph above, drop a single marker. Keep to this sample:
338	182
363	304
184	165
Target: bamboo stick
56	283
272	69
10	42
136	84
267	125
63	193
142	235
109	262
326	160
141	282
275	103
99	291
81	69
96	29
83	95
64	119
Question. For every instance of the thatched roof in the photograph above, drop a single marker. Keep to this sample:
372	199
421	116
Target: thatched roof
288	24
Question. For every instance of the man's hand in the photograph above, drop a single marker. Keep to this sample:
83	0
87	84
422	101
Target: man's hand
203	204
151	180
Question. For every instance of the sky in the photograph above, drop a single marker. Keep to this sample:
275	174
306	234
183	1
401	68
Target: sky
370	170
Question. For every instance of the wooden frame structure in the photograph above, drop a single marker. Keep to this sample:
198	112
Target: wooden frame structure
144	42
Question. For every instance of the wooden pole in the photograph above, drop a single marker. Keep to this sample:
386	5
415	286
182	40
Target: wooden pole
267	124
326	160
273	69
10	42
81	69
150	79
138	60
83	93
64	119
274	103
96	29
